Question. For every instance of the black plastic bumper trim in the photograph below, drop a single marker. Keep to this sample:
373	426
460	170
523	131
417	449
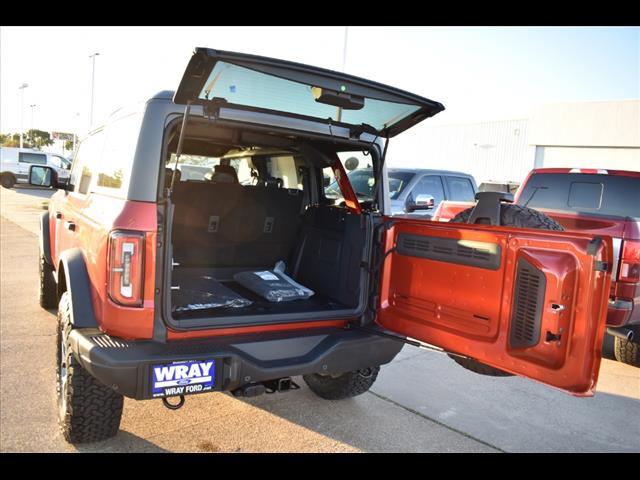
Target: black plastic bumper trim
125	365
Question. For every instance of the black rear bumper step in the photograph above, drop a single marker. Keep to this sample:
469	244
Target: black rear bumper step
126	366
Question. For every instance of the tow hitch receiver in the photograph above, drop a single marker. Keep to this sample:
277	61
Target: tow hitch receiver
281	385
270	386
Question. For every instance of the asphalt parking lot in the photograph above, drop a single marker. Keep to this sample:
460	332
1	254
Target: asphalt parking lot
421	402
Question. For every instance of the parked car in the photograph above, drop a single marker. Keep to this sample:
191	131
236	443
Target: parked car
15	163
150	273
597	202
414	191
406	185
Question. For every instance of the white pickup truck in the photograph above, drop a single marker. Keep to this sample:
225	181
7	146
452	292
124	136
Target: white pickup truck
15	163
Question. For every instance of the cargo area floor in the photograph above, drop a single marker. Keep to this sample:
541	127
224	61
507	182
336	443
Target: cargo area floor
259	305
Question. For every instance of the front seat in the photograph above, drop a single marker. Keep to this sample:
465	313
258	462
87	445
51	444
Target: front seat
224	174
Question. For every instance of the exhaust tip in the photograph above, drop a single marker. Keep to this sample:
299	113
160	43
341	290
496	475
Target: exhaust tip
624	333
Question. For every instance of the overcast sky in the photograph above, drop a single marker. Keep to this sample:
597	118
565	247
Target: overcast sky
478	73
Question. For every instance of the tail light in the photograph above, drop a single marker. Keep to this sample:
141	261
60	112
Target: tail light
126	267
630	262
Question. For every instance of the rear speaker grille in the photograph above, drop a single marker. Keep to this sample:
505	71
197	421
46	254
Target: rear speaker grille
528	301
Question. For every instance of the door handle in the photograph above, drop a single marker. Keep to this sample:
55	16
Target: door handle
70	226
58	215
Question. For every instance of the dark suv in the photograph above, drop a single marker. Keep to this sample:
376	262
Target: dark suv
245	273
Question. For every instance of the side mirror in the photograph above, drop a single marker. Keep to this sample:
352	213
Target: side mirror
326	181
41	176
422	202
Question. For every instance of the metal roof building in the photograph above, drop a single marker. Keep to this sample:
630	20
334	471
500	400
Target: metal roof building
586	134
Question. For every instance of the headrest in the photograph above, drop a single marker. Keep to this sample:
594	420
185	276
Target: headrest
224	174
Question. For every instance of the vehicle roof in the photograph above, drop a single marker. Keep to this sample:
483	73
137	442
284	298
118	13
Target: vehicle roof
429	170
626	173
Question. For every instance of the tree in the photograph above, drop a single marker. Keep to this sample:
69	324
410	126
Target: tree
68	145
39	138
10	140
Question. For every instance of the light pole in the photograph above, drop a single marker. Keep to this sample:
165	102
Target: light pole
32	108
344	50
21	88
344	63
93	75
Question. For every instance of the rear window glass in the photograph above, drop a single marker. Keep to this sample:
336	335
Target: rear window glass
606	195
243	86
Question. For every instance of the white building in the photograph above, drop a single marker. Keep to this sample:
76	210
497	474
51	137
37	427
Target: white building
588	135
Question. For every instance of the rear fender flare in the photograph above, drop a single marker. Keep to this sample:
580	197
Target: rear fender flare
73	278
45	238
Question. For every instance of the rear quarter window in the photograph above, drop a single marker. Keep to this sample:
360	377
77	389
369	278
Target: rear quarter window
606	195
114	170
460	189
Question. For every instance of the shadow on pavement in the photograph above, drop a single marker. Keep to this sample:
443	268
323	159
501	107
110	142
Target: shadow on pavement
34	191
122	442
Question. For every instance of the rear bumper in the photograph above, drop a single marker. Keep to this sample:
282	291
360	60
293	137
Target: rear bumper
126	366
623	312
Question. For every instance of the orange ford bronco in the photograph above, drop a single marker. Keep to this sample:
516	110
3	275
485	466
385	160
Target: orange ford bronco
197	248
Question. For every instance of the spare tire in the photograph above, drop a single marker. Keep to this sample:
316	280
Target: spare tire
510	216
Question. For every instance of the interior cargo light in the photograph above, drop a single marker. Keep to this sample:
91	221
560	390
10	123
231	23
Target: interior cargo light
126	267
629	270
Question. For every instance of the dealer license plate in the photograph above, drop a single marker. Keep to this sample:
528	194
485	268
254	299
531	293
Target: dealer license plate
182	377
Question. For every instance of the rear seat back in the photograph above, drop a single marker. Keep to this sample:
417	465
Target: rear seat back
230	225
328	256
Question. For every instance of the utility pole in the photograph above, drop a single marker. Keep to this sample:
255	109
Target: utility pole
21	88
93	74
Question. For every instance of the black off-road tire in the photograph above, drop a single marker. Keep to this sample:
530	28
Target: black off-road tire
627	351
339	387
513	216
88	411
47	295
7	180
516	216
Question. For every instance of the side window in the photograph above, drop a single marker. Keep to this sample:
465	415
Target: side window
359	168
114	170
37	158
460	189
428	185
285	169
59	162
88	156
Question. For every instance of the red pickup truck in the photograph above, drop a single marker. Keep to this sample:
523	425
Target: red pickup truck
596	201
